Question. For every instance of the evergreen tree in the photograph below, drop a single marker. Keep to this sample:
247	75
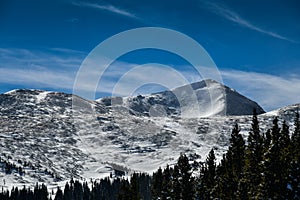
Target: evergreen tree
134	187
253	158
293	183
230	170
59	194
186	181
145	186
236	157
211	168
221	189
284	136
295	143
208	177
267	141
176	186
67	192
237	149
77	191
166	185
157	184
4	194
274	183
275	132
285	150
86	191
124	190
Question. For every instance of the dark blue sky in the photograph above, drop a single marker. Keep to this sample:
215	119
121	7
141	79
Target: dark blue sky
255	44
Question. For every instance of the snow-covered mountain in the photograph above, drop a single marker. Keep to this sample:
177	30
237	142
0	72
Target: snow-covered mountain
201	99
51	142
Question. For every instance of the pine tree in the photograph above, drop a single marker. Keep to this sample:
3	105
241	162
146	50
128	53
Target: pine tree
293	183
59	194
253	158
296	137
67	192
157	184
275	132
166	185
134	190
221	190
284	135
176	186
211	168
186	181
273	183
86	191
124	190
237	149
208	177
286	150
267	141
230	170
77	191
4	194
145	186
236	157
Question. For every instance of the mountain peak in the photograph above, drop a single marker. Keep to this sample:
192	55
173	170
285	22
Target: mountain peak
200	99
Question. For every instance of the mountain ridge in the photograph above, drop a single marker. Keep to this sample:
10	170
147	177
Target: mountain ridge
236	104
212	97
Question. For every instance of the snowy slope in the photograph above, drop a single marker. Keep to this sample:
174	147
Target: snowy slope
39	128
201	99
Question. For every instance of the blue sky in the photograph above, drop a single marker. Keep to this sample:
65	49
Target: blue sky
255	44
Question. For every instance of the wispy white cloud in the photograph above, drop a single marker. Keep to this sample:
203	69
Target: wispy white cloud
270	91
232	16
55	68
52	57
107	7
37	78
65	50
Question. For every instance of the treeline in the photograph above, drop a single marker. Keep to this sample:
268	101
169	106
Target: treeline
20	167
9	167
139	187
266	166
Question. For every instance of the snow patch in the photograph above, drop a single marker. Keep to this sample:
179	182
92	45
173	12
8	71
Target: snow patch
41	96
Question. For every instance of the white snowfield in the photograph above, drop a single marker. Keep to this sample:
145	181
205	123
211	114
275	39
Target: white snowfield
40	132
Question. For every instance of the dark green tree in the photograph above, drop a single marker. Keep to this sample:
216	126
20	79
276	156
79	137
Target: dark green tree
59	194
134	190
207	177
176	186
293	183
295	140
166	185
67	192
86	191
236	157
186	181
274	183
237	149
254	156
157	184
